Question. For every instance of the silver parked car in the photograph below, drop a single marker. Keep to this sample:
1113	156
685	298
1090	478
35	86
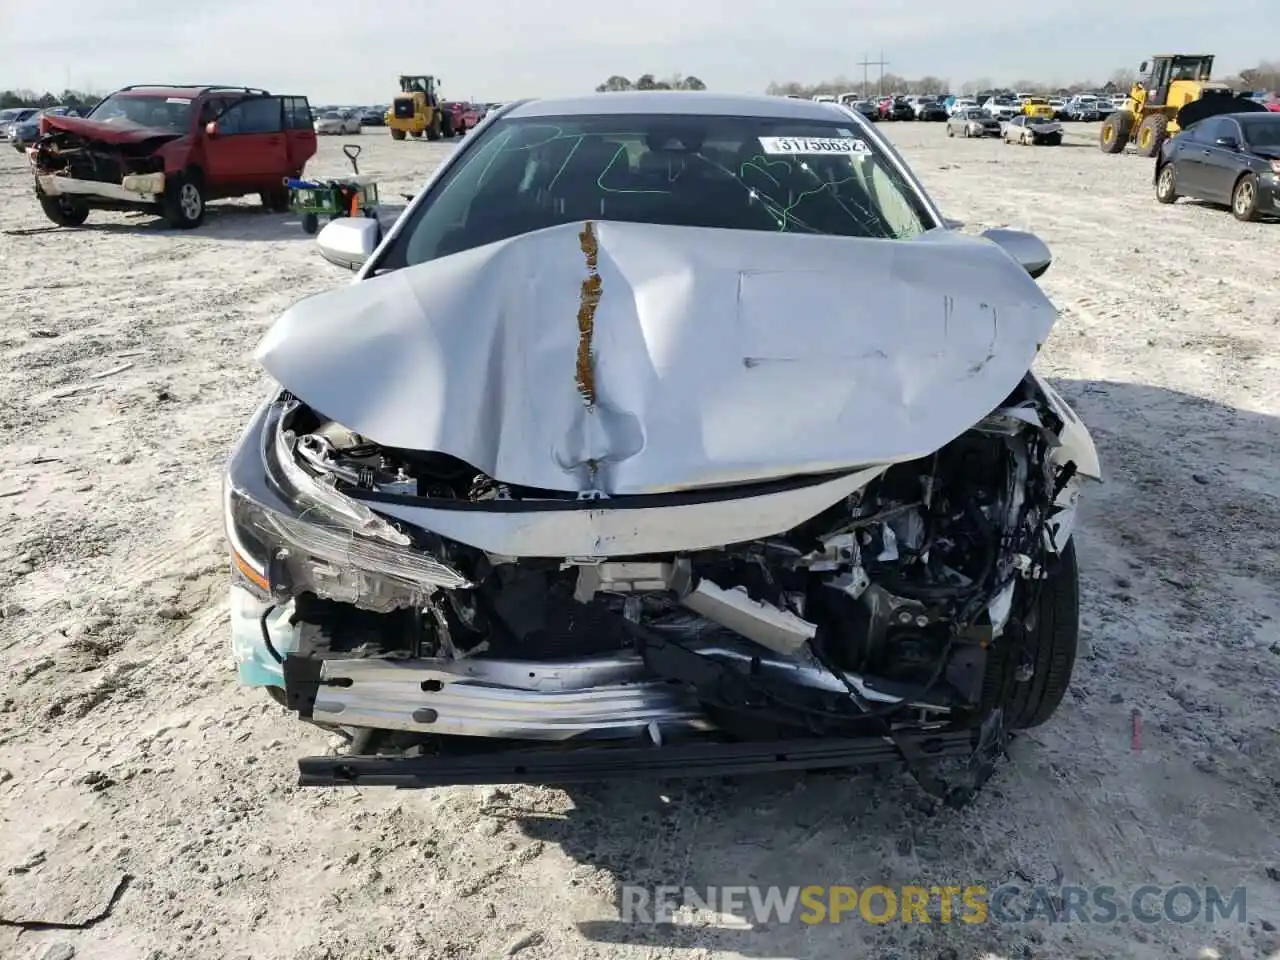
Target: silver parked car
337	122
1032	131
972	122
663	434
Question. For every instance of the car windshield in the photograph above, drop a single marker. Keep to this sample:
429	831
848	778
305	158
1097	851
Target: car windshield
171	113
331	115
976	115
1261	131
733	173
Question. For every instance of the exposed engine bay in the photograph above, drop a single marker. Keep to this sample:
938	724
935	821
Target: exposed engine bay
71	155
879	583
904	606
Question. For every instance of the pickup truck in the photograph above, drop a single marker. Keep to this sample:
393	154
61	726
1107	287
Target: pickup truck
170	150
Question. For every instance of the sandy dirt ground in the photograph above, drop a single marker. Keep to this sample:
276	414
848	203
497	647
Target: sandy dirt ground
140	785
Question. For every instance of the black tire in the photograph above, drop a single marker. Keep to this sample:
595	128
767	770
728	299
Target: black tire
63	211
1115	132
310	223
183	204
433	128
446	125
277	200
1050	640
1152	133
397	133
1167	184
417	134
950	132
1244	198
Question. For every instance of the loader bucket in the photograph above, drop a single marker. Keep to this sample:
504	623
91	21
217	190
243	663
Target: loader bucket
1212	104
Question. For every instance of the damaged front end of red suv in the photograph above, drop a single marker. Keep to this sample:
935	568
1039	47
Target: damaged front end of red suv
81	165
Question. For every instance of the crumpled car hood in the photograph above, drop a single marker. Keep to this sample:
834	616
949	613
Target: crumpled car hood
699	357
108	132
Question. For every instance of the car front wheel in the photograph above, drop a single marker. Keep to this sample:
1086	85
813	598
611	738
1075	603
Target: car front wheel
1031	682
1167	184
183	204
1244	198
63	211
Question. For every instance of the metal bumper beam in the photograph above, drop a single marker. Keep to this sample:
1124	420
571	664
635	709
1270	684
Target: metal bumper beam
555	765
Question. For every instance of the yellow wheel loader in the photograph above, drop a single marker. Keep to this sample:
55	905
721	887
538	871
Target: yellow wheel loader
416	111
1154	108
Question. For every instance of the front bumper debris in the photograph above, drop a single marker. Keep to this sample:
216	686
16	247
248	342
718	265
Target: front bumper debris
604	697
594	764
133	188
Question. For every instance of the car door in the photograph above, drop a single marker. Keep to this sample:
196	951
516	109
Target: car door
1224	161
247	152
300	133
1194	155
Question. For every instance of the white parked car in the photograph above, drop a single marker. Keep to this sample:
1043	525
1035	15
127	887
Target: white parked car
502	493
962	103
337	122
1002	108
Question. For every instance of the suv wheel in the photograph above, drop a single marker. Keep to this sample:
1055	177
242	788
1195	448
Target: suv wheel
184	201
276	200
63	211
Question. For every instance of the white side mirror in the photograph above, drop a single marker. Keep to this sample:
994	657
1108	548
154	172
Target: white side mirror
349	241
1028	249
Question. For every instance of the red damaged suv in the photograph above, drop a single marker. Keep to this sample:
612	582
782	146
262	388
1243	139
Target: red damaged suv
171	150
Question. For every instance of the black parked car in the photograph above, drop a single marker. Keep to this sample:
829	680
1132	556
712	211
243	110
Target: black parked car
932	110
1231	158
901	109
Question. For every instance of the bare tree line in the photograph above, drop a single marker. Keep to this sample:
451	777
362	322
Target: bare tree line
30	98
646	81
1265	76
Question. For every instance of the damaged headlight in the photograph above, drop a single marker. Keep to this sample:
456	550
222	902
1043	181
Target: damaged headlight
313	539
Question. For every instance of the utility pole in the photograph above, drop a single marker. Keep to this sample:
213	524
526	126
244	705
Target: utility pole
864	63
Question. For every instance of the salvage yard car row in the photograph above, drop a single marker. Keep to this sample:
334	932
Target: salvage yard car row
173	149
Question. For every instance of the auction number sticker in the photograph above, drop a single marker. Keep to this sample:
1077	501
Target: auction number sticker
797	146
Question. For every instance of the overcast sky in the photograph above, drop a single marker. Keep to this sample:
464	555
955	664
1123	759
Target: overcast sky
353	50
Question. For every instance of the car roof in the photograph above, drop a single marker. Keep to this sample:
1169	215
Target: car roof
689	102
190	91
145	91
